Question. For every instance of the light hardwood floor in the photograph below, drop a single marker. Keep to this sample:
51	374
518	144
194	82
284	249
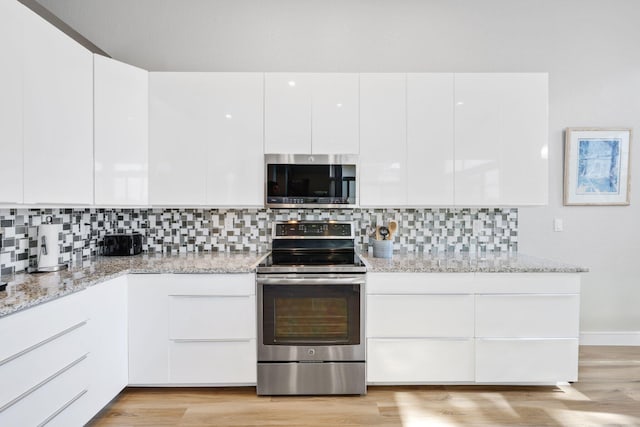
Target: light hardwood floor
607	393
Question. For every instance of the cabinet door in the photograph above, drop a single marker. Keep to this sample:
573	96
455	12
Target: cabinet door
11	100
411	361
121	142
501	130
287	114
148	314
383	140
430	139
526	360
179	128
528	316
335	114
109	346
235	155
420	316
58	116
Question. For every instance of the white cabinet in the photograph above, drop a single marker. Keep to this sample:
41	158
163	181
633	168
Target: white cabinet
11	100
192	329
430	139
212	329
501	130
205	139
420	328
121	123
311	113
235	168
383	140
43	364
287	113
148	318
108	325
58	116
335	113
482	328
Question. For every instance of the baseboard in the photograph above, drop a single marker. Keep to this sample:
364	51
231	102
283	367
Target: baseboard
630	338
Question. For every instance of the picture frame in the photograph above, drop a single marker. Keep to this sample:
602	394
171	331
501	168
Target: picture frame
597	166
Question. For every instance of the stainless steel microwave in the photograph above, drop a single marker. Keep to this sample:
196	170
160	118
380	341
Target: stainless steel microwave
311	181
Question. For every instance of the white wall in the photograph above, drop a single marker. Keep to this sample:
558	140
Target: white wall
589	47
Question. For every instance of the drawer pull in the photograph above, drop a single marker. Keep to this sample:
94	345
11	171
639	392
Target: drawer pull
65	406
209	296
41	343
43	382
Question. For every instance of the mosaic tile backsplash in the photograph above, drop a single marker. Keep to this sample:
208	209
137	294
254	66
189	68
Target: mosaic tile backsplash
189	230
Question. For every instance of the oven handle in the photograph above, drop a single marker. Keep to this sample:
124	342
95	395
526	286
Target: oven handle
310	280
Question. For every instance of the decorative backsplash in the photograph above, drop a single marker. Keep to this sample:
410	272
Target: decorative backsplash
189	230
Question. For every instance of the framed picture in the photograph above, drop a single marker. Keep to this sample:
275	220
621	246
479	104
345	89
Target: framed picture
596	166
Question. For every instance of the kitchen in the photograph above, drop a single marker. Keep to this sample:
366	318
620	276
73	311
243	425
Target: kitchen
187	211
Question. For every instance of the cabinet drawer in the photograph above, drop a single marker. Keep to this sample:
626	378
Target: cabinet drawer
36	364
27	328
212	317
212	362
535	316
527	283
420	316
526	360
416	283
209	284
50	399
402	361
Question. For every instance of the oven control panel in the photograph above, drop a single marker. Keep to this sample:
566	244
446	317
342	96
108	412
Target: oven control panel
313	229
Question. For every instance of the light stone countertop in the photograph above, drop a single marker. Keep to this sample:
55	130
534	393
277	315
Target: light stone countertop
27	290
490	262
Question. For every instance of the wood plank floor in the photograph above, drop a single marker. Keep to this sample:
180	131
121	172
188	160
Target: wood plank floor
607	393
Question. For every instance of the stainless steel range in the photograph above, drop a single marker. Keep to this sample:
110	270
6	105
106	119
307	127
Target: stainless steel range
311	336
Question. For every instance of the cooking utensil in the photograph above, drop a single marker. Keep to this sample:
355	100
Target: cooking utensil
393	227
384	232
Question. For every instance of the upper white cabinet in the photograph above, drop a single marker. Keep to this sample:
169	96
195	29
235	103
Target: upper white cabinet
383	140
235	168
206	139
311	113
501	131
430	139
11	100
58	116
335	114
287	113
178	131
121	123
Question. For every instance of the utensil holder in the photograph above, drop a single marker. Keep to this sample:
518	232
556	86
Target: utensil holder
382	248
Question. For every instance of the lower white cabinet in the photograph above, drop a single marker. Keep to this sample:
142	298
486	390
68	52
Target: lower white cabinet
44	364
201	329
419	360
472	328
108	358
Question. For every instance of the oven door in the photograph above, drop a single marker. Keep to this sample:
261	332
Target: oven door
311	317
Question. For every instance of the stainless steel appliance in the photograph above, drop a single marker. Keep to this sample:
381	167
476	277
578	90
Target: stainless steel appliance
122	244
311	312
312	181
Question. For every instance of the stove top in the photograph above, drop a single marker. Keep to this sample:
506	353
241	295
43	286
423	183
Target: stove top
312	247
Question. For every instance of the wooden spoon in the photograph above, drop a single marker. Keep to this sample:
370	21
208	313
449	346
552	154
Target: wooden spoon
393	227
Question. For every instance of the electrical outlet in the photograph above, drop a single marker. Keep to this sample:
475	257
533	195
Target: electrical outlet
558	225
477	226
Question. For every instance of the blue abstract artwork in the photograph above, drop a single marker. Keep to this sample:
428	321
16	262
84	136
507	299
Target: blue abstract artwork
598	166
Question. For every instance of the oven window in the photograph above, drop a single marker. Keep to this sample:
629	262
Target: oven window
310	314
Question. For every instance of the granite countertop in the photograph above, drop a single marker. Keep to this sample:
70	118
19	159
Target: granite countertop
491	262
27	290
